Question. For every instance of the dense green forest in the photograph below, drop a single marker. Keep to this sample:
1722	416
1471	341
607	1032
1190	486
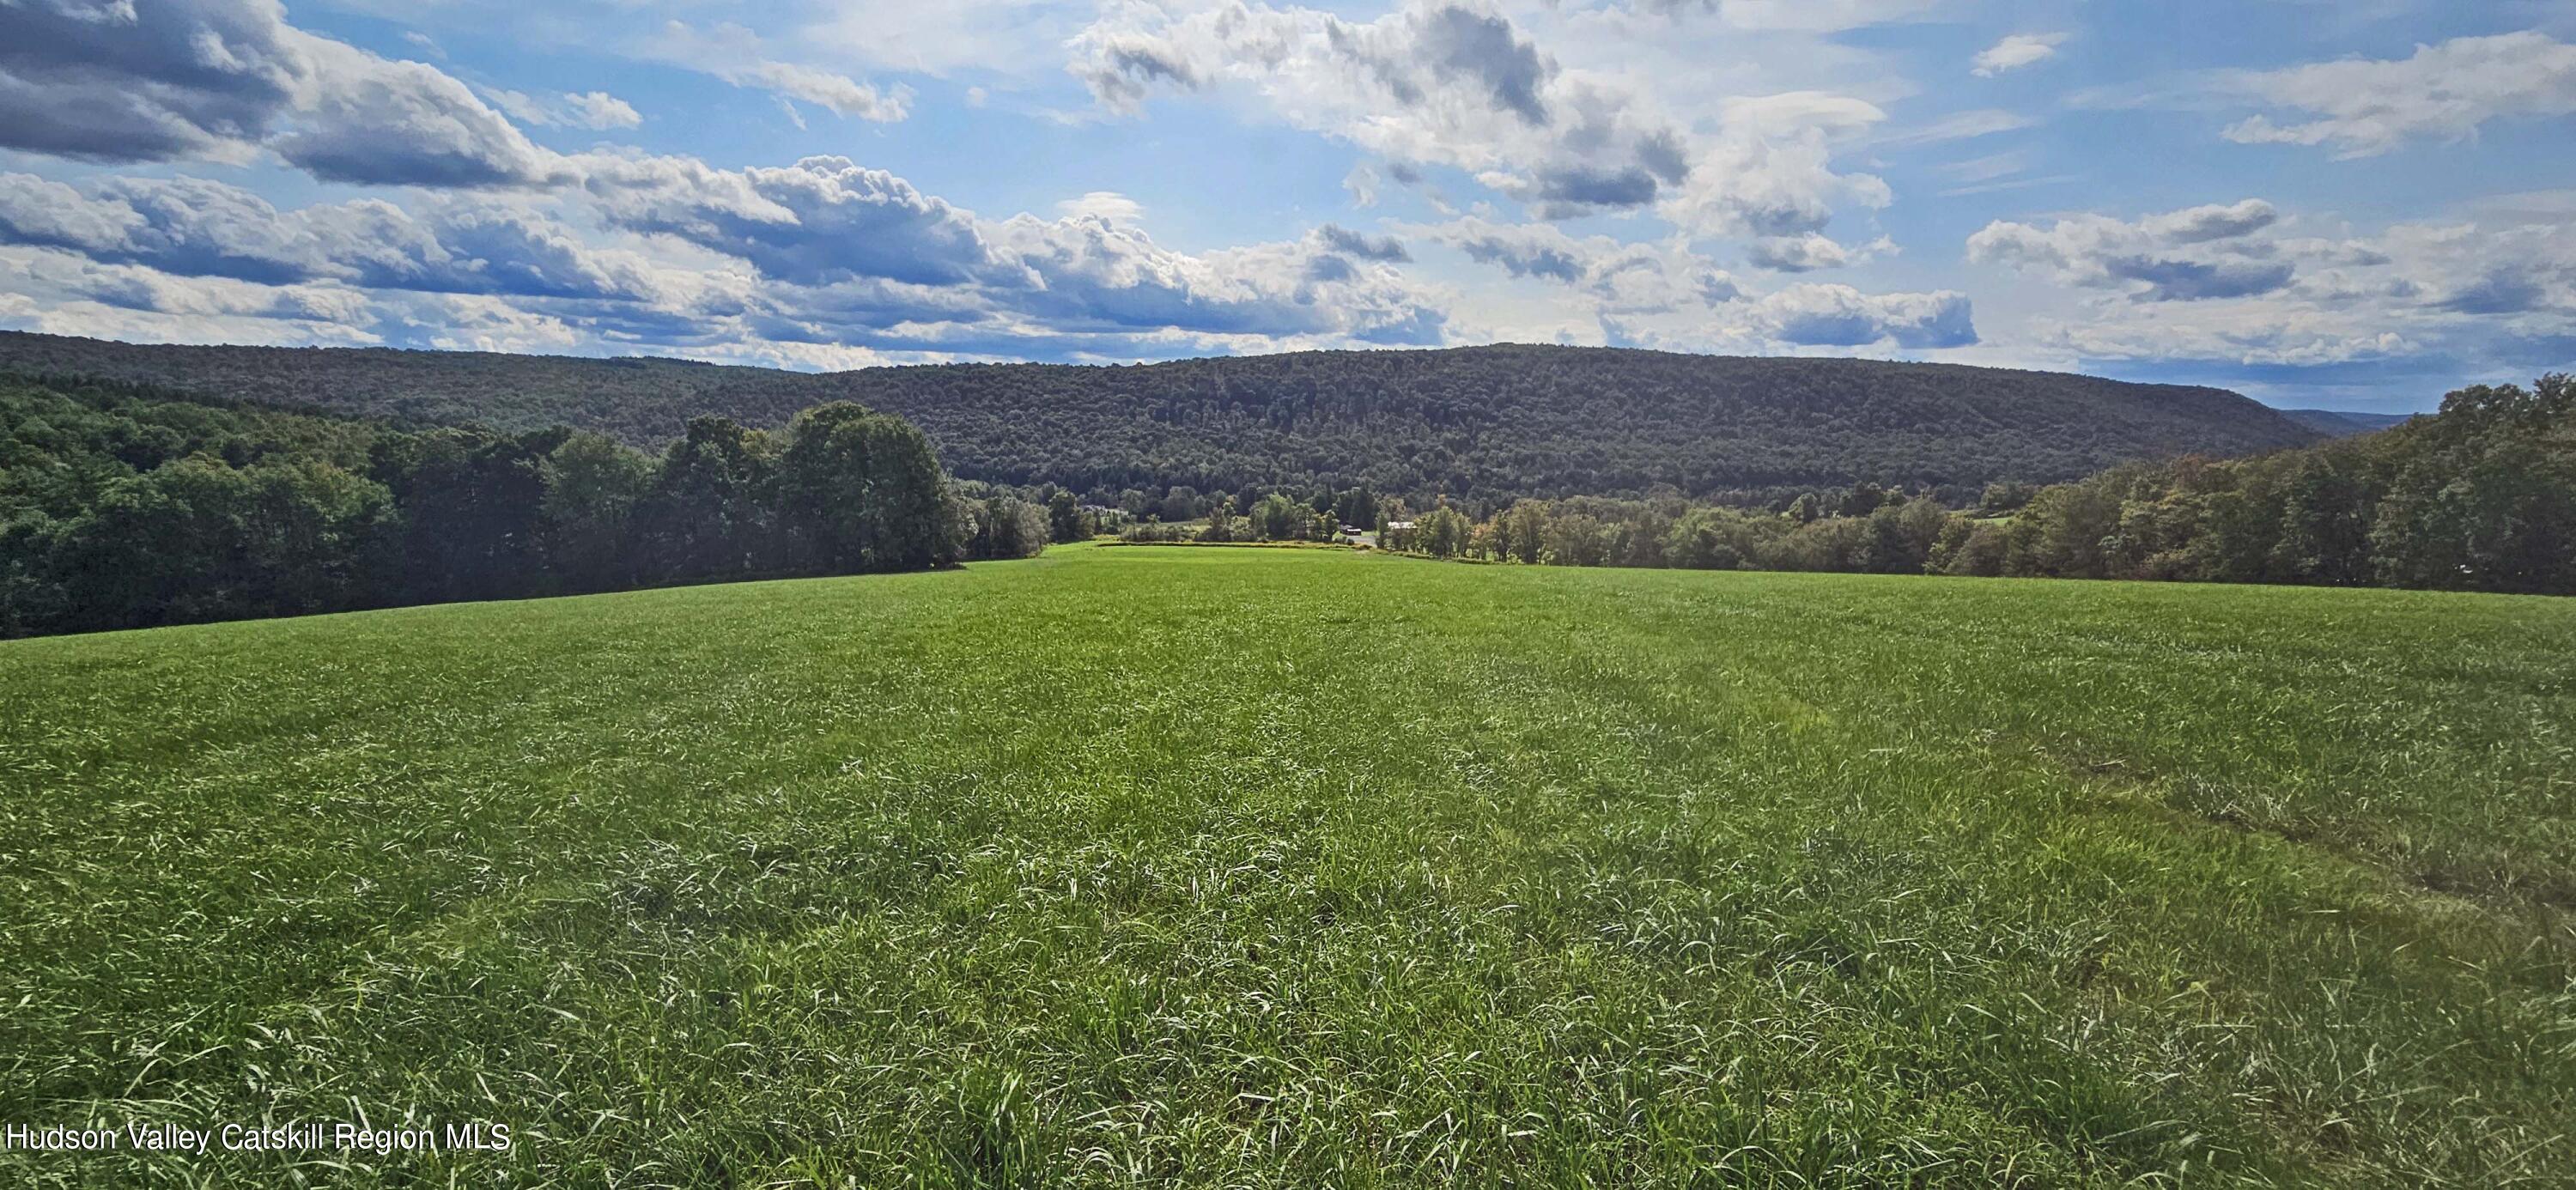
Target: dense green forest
2338	423
125	506
1472	424
2481	496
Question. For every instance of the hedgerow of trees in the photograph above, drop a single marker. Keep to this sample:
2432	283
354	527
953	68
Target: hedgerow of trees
2481	496
123	506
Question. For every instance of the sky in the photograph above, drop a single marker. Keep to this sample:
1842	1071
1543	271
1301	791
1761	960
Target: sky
2355	204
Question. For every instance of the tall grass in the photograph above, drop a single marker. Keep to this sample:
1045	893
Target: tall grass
1298	868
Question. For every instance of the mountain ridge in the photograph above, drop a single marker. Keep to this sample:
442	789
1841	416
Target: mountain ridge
1484	422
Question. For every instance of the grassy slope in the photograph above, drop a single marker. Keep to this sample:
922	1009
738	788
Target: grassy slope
1291	867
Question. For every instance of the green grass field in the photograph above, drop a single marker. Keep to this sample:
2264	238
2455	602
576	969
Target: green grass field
1303	868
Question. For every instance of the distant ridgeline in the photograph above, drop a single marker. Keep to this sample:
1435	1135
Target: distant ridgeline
2337	423
1481	425
125	506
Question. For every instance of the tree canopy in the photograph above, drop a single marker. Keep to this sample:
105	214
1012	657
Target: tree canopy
1480	424
124	506
2479	497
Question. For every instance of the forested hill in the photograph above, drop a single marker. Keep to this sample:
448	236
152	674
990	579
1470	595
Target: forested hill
1477	422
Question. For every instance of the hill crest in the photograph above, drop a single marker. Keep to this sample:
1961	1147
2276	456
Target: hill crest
1479	423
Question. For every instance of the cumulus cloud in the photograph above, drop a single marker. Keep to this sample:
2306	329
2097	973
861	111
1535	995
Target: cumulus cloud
2289	337
2518	272
1434	82
2200	225
1336	238
1616	280
144	81
825	253
2364	107
2186	255
822	220
60	277
1626	276
158	80
192	227
2016	51
1665	294
367	120
829	224
1841	316
1528	251
1810	252
1444	84
77	311
1097	274
2246	284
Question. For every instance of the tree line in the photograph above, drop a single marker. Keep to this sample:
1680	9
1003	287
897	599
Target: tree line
124	506
2480	496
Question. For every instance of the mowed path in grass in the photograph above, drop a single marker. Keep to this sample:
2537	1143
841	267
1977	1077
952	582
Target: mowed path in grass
1303	868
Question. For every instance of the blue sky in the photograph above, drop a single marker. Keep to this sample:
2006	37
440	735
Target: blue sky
2350	204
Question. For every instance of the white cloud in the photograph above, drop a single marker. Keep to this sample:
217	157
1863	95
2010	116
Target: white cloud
160	80
828	224
1432	83
2246	284
1805	16
2197	253
1333	237
1363	183
1106	205
944	38
2266	338
191	227
1666	295
587	109
63	277
56	314
1792	112
1957	126
2444	92
1811	252
735	54
1841	316
1443	84
1624	277
825	253
2016	51
1985	169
